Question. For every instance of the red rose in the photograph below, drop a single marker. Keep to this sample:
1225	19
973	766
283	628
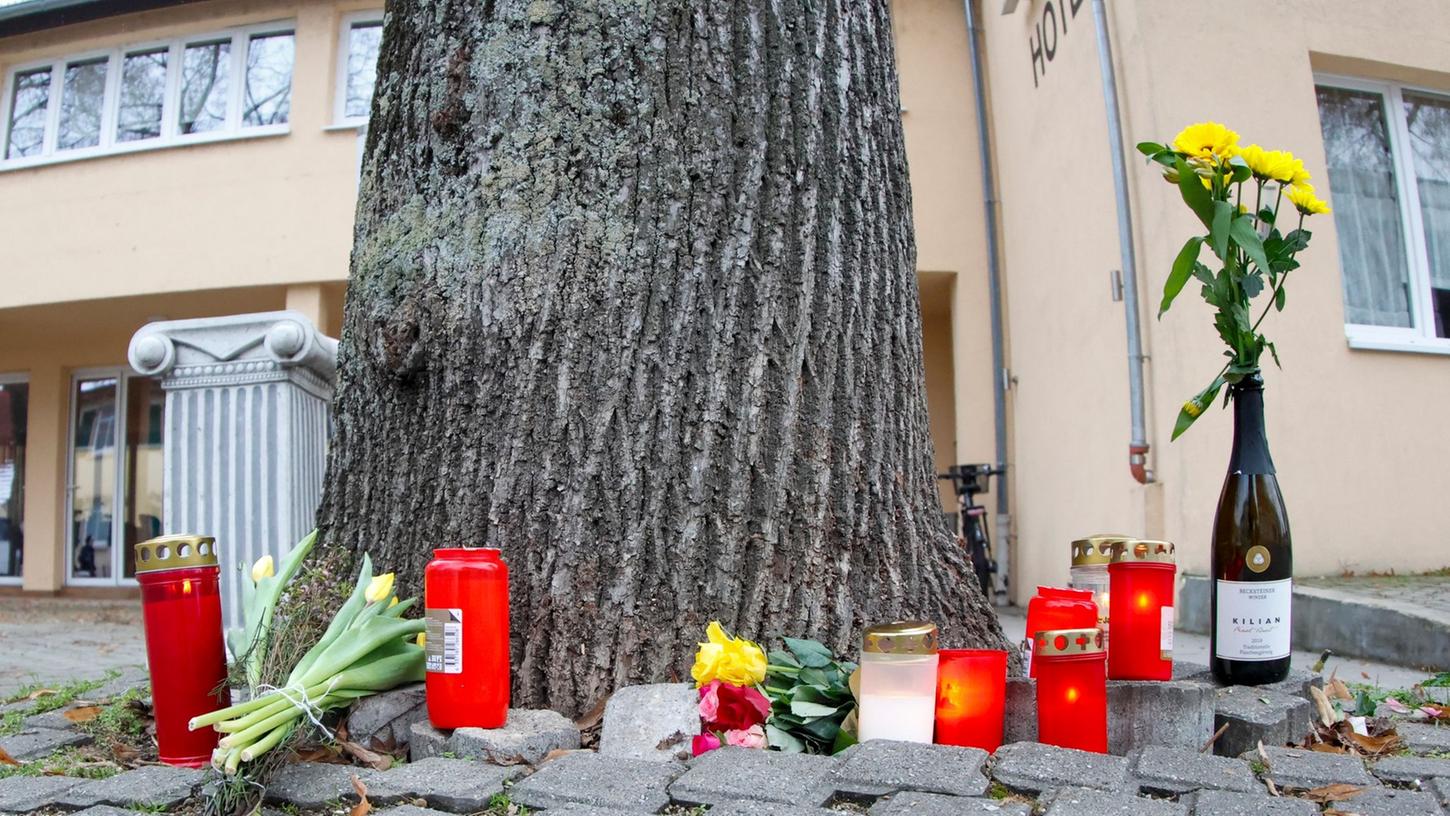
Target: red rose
704	743
737	708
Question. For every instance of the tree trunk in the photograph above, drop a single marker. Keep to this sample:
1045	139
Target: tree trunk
633	299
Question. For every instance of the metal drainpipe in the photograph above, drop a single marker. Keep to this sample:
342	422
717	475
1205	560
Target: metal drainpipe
1138	445
994	281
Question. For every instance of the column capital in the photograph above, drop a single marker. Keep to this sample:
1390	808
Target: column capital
236	350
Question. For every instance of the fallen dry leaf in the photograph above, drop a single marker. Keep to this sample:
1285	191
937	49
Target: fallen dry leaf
82	714
1338	792
123	753
1386	743
1326	748
1327	714
1339	691
6	758
38	693
372	759
591	718
363	807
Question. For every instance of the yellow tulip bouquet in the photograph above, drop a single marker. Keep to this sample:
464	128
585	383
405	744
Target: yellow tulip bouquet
795	700
1236	193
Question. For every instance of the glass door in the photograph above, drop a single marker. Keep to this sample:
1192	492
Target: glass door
115	474
14	403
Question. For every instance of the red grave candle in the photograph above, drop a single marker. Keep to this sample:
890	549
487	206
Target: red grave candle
466	595
181	605
1058	608
971	690
1072	689
1140	603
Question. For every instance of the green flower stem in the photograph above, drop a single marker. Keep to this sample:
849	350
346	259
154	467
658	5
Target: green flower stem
266	743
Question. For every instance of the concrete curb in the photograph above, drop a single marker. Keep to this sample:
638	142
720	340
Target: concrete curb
1352	625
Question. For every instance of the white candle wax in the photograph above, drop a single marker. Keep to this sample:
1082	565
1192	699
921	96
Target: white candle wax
905	717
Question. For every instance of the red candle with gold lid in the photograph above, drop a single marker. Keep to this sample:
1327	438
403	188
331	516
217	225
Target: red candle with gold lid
1072	689
971	689
1141	578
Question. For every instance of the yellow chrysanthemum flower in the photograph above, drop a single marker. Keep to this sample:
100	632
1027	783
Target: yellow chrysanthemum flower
1297	174
731	660
264	568
1207	141
379	588
1305	201
1278	165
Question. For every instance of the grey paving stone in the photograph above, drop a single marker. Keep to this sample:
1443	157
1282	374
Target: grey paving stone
1297	683
1423	738
763	809
1229	803
590	810
1255	715
106	810
586	778
38	743
426	741
1089	802
22	794
917	803
1388	802
1191	671
527	737
310	785
406	810
151	786
654	721
1173	771
54	719
1441	789
455	785
879	767
1302	769
732	773
386	719
1409	770
1176	713
1033	767
130	677
1020	711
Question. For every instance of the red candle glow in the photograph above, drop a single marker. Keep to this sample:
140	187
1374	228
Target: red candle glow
466	592
1057	608
1141	608
181	605
1072	689
971	689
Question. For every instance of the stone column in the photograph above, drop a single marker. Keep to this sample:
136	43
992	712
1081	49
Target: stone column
247	419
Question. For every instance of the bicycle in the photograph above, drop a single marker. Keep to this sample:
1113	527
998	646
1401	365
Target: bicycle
968	481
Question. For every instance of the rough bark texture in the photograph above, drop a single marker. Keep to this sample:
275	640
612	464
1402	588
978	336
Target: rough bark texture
633	298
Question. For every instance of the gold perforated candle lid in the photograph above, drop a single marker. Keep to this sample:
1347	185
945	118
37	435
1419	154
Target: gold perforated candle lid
1143	550
171	552
1095	549
901	637
1059	642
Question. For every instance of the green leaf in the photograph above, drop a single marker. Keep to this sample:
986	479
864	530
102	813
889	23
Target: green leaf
783	740
1252	285
1200	403
1183	267
1218	233
1244	235
780	657
1298	240
844	740
1241	170
814	677
1274	352
803	708
1195	195
1150	148
809	652
1266	215
1279	297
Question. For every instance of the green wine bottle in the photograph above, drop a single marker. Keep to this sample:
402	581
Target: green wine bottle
1253	562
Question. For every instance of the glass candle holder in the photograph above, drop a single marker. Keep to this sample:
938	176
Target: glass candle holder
1072	689
181	606
466	600
1090	557
898	682
1141	579
971	691
1058	608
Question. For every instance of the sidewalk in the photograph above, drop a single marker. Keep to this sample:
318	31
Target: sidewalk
51	640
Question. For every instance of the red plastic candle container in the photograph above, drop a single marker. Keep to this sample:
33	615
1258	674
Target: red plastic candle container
1141	608
971	690
1072	689
466	595
1058	608
181	604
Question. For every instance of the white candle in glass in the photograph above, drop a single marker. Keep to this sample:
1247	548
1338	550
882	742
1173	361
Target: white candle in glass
898	682
905	717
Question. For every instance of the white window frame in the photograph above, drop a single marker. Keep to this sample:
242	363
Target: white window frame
14	379
1421	336
171	103
340	119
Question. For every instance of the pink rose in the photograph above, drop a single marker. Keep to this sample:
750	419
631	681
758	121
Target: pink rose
752	737
710	701
704	743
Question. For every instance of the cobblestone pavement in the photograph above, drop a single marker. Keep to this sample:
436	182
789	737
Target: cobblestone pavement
50	640
1428	591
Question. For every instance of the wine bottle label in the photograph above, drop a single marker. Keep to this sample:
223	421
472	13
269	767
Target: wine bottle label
1253	619
444	645
1165	633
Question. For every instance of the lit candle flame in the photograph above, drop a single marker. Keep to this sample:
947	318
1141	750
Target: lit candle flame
186	587
1072	694
1143	600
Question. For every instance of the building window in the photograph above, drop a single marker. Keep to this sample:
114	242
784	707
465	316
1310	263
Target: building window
358	66
221	85
14	405
1388	150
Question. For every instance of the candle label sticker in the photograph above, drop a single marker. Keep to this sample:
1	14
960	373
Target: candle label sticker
444	644
1253	619
1165	633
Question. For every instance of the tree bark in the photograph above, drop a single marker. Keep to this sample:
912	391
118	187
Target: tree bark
633	299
